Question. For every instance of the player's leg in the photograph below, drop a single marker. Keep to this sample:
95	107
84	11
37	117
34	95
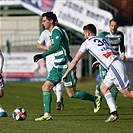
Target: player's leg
47	99
70	84
58	89
97	91
116	75
114	92
121	81
52	79
103	72
128	93
110	102
2	111
1	86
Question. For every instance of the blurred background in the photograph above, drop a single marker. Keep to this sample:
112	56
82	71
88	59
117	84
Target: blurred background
20	27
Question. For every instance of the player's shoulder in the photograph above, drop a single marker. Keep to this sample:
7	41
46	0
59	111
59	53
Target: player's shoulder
57	31
56	28
45	32
119	32
103	33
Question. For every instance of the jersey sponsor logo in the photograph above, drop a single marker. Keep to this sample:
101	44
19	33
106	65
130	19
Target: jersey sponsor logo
109	54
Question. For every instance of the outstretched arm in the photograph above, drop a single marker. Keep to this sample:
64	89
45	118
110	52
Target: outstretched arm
72	64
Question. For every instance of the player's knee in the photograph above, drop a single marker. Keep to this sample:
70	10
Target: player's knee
128	95
46	87
70	95
1	94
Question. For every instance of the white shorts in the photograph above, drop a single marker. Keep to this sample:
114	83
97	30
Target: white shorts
49	66
117	76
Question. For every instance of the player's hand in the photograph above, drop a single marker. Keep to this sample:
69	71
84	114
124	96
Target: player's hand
63	79
37	57
123	57
48	47
95	64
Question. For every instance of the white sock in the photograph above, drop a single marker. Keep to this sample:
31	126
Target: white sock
110	101
1	109
46	114
58	89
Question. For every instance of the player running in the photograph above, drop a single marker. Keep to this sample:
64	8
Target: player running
45	44
61	51
116	39
107	57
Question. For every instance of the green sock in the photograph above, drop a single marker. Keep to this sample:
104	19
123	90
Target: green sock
84	95
114	92
98	86
47	99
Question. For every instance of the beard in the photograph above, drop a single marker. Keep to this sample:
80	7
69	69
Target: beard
43	27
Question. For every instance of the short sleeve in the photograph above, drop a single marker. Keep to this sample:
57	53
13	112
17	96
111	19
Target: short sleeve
83	47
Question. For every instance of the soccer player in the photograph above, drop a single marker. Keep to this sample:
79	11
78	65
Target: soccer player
45	44
2	111
107	57
61	51
116	39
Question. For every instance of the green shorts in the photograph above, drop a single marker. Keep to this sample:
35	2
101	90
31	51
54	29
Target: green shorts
55	76
102	71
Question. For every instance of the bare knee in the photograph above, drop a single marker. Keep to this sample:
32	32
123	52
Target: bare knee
1	93
47	86
44	87
70	91
70	94
127	93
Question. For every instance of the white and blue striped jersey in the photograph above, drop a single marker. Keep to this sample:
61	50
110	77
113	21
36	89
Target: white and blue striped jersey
100	49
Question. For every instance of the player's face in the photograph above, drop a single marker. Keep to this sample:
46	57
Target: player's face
85	32
46	23
113	27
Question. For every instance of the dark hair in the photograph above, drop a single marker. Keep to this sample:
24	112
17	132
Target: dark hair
91	28
113	19
50	15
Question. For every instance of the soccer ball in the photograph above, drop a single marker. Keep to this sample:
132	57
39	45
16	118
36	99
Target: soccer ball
19	114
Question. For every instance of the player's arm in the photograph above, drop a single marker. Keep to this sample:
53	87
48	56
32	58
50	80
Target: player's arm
95	64
43	47
56	36
122	47
72	64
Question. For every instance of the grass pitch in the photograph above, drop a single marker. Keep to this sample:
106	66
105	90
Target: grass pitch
77	117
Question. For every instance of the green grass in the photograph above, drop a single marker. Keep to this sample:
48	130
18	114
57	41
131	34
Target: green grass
77	117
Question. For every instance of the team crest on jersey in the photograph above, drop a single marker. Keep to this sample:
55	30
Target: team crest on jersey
57	37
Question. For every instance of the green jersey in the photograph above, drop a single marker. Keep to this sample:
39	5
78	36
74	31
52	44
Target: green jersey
60	48
116	40
62	58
